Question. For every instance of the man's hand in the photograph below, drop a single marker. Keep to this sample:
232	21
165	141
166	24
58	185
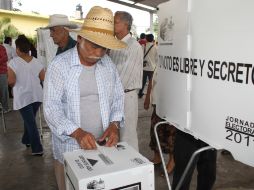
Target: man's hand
111	134
85	140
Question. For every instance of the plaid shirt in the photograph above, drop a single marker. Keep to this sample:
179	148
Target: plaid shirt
62	98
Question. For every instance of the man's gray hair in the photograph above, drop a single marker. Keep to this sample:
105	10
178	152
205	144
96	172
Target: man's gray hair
125	16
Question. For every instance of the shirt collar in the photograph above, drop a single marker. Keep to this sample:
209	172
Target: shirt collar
125	39
71	43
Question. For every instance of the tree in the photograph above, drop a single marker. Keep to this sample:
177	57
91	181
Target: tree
7	29
156	27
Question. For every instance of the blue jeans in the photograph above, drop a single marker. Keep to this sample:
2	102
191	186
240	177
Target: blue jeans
31	134
146	74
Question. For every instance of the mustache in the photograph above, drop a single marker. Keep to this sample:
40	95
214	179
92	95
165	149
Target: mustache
94	57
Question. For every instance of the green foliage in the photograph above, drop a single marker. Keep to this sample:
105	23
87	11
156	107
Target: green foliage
134	31
156	27
7	29
32	39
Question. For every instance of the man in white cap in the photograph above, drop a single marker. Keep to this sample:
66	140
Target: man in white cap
58	25
79	106
129	63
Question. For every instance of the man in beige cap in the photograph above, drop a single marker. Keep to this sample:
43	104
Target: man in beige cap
83	95
58	25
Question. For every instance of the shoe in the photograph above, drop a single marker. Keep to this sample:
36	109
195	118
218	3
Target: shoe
37	153
28	145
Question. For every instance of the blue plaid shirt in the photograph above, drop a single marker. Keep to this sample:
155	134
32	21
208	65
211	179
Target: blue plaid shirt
62	98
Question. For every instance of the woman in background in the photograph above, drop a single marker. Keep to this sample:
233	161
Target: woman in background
166	133
25	73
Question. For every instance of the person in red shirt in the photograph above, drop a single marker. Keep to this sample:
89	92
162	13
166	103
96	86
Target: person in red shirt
142	40
4	95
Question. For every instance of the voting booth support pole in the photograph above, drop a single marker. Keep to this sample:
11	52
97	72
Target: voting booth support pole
159	146
194	155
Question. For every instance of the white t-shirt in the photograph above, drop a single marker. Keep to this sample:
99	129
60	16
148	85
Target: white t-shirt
151	57
27	88
11	52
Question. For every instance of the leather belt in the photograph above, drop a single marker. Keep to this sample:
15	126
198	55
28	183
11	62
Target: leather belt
128	90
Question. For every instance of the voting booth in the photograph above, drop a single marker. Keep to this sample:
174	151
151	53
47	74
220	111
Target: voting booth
205	80
120	167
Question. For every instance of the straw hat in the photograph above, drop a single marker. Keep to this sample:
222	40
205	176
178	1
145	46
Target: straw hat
98	27
60	20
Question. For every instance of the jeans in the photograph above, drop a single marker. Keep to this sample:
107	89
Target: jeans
146	74
31	134
4	95
185	146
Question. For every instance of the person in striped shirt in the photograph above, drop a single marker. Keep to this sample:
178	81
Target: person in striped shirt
129	63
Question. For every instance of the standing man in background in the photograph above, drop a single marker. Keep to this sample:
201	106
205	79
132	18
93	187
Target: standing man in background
60	35
150	61
129	63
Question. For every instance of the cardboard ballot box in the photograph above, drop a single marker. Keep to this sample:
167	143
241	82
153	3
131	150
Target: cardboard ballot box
119	167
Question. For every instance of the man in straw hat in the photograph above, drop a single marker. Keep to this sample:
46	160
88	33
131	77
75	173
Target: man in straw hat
58	25
129	63
83	97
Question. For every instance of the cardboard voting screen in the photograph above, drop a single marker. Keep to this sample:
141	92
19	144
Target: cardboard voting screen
206	72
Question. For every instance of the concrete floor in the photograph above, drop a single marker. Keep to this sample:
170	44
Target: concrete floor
21	171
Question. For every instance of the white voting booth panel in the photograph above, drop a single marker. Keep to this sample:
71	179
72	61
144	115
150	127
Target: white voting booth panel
120	167
206	72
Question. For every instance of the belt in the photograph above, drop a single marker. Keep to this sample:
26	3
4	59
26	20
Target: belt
128	90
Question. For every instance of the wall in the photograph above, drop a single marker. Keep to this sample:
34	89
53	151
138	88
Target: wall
27	23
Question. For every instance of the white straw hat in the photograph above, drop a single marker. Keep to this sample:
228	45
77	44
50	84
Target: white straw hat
60	20
98	27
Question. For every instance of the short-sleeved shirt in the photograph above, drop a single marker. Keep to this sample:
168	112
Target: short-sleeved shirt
27	88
